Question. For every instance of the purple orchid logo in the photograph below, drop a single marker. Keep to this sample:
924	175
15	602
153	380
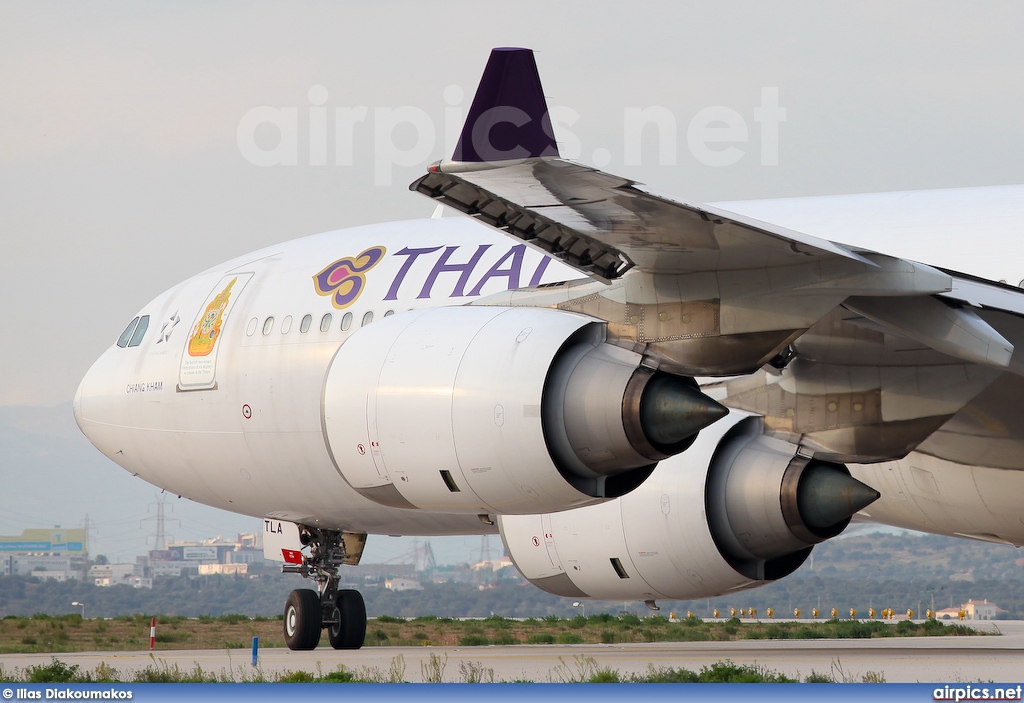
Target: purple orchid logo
345	279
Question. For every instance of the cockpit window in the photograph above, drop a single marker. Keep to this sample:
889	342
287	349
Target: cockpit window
140	331
126	336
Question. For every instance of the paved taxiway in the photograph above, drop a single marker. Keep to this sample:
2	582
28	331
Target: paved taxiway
925	659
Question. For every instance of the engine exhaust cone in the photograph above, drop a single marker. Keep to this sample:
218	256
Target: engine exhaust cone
828	496
672	410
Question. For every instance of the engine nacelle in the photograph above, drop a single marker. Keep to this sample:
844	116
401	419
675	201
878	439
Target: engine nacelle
500	410
735	510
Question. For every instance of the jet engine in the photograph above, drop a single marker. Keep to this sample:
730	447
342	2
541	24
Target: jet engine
501	410
737	509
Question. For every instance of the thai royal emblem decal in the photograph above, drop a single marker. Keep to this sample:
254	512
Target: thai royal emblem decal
345	279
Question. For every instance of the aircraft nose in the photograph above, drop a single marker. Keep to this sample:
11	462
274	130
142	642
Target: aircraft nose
95	405
76	405
84	400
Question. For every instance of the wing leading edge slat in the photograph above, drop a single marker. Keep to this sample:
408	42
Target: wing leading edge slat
605	225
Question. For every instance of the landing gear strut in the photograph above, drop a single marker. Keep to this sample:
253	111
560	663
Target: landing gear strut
341	611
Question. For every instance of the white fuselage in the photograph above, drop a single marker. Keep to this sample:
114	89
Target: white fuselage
249	437
241	427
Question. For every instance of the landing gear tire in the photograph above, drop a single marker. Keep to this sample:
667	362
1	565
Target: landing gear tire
348	631
303	619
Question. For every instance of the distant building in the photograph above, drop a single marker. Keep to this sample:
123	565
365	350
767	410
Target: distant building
173	568
45	541
972	610
45	553
403	584
44	566
980	610
244	549
492	565
223	568
112	574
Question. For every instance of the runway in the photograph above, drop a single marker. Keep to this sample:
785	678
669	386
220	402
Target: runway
896	660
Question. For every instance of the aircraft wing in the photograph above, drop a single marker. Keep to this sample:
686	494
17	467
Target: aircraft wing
506	171
604	225
716	293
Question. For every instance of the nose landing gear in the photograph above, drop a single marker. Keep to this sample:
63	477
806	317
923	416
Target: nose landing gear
341	612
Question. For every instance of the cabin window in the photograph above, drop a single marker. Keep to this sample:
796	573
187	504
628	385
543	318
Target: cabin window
346	321
123	340
140	331
325	322
250	329
389	313
306	322
286	324
268	326
367	319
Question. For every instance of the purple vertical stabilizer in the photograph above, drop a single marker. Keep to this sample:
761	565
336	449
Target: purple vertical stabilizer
509	117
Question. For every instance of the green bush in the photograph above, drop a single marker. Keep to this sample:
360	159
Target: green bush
607	636
855	629
541	638
340	676
667	676
605	676
568	638
473	641
694	635
809	633
728	672
297	677
815	677
389	618
54	672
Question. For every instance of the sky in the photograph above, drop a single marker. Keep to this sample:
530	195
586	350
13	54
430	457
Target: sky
143	142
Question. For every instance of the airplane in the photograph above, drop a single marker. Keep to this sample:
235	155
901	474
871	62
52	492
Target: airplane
647	399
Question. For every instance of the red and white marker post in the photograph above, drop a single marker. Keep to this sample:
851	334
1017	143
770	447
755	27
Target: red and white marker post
152	634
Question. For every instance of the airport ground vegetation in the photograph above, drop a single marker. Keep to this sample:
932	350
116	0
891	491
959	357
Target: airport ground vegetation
580	669
70	633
